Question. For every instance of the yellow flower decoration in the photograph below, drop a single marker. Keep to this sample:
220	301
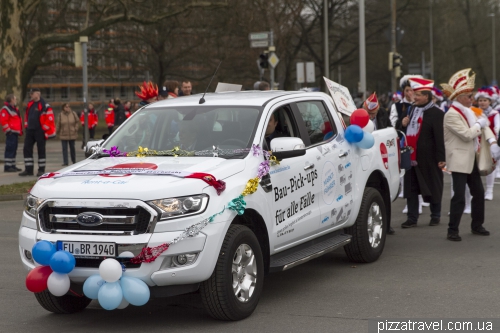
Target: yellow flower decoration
251	186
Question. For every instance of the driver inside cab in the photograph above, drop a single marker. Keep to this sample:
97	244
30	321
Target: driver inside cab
271	130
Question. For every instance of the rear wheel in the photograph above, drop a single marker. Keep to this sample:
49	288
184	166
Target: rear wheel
63	305
233	290
369	231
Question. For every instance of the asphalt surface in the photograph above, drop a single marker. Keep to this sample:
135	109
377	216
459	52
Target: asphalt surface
420	275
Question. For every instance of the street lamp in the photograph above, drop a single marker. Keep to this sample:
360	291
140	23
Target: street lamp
494	81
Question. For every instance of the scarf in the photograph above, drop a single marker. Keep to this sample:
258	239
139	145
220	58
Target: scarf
469	116
416	114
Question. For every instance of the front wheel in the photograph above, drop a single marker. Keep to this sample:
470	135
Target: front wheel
369	231
233	290
63	305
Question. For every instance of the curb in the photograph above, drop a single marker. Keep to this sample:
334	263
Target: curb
12	197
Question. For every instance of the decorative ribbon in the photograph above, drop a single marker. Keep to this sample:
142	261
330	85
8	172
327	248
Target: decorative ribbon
238	205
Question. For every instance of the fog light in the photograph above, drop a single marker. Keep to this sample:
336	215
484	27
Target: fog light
184	259
28	255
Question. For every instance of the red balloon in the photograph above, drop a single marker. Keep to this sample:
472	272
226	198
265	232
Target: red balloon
36	281
360	117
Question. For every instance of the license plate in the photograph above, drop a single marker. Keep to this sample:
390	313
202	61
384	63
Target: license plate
88	249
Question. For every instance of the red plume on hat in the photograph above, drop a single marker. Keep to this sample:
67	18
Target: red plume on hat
148	90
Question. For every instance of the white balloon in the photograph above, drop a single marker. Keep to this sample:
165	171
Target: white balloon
123	304
370	127
126	254
110	270
58	284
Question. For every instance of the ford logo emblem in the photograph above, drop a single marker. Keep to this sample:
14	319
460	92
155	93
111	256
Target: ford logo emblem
89	219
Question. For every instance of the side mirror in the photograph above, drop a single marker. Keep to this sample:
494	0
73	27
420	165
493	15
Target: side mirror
287	147
91	147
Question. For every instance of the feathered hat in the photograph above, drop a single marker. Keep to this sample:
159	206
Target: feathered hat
148	90
403	83
486	92
438	94
371	104
462	82
397	96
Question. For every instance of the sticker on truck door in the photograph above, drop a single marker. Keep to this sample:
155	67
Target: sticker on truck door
385	157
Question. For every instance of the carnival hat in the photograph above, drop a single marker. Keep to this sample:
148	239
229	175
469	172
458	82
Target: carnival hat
486	92
438	94
397	96
148	90
462	82
404	80
371	104
420	84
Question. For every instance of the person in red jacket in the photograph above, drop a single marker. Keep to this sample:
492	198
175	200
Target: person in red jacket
109	115
12	126
127	106
40	126
92	121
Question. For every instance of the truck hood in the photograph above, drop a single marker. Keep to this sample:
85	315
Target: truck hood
135	186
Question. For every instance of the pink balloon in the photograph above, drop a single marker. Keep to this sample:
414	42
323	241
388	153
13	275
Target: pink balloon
36	281
360	117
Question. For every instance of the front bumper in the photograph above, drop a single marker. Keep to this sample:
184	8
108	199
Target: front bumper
157	273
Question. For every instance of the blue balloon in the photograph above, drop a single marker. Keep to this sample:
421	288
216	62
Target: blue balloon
92	285
42	252
135	291
62	262
353	134
367	142
110	295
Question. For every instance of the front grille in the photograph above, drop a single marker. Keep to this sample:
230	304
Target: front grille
115	220
94	263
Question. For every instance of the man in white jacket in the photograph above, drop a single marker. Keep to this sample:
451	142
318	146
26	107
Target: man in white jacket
461	131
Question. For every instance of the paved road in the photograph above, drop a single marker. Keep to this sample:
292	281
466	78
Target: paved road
53	156
420	275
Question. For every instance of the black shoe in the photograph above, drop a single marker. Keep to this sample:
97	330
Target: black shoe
17	169
10	170
391	231
434	221
40	173
408	224
454	237
481	231
65	164
25	173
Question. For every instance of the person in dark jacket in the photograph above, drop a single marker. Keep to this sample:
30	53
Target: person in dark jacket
378	115
425	134
12	126
120	116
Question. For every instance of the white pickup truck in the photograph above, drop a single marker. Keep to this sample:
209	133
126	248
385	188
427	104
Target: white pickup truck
324	194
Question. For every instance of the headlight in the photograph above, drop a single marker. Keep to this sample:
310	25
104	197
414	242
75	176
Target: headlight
32	204
179	207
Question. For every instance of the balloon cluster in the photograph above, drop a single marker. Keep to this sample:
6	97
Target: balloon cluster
53	274
360	130
113	290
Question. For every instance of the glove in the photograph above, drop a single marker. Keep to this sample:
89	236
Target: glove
495	151
483	122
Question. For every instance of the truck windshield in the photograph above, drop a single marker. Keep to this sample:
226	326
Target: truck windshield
194	129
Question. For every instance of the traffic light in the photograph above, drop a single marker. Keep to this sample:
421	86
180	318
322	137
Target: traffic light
263	63
397	63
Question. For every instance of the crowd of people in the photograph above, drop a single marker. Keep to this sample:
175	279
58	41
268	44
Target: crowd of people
447	132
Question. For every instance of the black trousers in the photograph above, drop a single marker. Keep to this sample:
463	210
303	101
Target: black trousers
34	136
71	150
458	201
10	151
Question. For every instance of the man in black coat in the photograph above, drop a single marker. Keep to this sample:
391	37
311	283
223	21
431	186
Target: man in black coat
378	115
424	133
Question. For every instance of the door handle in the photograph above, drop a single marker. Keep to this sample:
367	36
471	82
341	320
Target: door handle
344	154
310	166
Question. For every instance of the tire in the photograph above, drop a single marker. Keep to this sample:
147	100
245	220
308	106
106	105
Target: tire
218	296
363	248
62	305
